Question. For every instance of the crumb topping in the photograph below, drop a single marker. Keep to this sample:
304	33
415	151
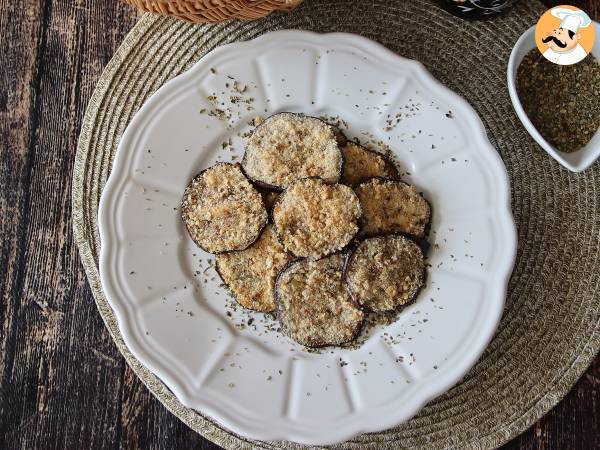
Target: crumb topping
314	308
287	147
385	272
251	273
222	210
314	219
392	206
361	164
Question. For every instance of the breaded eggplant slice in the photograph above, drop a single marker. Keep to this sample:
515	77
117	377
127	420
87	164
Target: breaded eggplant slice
314	219
250	274
361	164
287	147
383	273
391	206
222	210
313	306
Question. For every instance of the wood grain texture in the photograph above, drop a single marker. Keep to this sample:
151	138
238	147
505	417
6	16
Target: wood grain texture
63	383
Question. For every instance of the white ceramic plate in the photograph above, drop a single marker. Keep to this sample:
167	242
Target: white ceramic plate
178	321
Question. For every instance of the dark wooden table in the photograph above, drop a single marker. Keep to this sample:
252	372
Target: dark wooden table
63	383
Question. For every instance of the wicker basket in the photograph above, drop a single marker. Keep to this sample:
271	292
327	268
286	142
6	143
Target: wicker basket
202	11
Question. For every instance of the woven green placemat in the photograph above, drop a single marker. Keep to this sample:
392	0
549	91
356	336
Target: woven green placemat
550	331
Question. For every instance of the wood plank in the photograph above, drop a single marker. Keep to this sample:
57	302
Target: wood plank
64	372
18	117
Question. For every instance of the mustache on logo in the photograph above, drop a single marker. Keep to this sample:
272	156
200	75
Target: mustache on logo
555	40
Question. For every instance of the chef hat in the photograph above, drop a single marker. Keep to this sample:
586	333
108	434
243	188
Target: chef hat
571	20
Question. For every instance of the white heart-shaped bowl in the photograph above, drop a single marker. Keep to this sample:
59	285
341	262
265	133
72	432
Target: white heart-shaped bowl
577	161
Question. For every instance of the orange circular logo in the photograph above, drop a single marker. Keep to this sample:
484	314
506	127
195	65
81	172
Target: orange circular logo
564	35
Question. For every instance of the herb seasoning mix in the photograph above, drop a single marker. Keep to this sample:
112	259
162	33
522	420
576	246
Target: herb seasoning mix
562	102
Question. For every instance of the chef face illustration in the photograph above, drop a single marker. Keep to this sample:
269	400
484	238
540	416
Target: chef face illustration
561	35
561	40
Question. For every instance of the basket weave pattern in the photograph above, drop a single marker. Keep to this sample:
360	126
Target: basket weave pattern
205	11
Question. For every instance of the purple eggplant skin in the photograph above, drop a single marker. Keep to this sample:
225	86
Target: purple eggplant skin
273	187
350	257
198	175
355	332
340	137
421	240
271	213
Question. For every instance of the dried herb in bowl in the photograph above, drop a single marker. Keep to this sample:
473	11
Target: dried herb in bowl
562	102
